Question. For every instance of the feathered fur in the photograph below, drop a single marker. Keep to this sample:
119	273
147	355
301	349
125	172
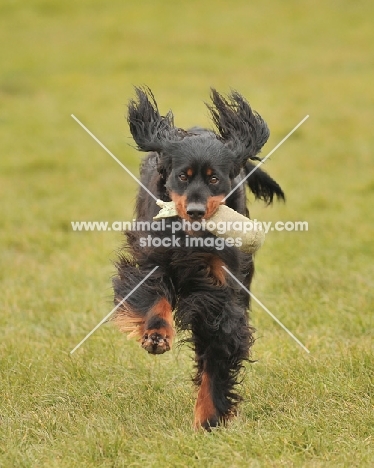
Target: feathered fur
190	290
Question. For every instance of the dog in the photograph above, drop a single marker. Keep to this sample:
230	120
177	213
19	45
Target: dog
190	291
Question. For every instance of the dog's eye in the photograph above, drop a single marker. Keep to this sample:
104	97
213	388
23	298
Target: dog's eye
213	180
183	177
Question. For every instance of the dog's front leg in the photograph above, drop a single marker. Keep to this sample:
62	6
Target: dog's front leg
206	414
158	328
222	339
147	312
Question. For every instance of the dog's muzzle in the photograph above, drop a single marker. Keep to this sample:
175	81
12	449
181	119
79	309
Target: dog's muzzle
196	211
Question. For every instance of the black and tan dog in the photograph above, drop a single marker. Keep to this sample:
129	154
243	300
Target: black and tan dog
196	169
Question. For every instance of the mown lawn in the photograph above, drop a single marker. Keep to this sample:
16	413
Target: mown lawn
110	404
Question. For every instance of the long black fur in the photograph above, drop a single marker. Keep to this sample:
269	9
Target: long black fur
214	313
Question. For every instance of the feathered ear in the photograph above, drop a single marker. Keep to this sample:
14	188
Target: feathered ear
243	130
149	129
262	185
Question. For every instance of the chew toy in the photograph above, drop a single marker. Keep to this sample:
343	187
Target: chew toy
227	218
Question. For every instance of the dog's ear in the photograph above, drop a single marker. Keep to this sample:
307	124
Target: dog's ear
239	127
262	185
149	129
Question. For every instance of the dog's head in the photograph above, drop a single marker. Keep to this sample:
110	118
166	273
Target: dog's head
199	166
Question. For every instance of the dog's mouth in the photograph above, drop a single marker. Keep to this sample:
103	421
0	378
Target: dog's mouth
196	211
213	205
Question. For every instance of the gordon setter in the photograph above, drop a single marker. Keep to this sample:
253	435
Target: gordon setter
190	290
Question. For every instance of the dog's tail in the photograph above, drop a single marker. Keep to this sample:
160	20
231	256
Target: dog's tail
262	185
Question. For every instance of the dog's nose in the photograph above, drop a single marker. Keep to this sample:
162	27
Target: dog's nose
195	210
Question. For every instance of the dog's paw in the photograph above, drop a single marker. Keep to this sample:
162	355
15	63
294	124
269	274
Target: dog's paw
155	342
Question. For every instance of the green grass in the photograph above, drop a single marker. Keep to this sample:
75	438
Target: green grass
110	404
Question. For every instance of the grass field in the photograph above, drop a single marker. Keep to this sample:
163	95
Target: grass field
110	404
